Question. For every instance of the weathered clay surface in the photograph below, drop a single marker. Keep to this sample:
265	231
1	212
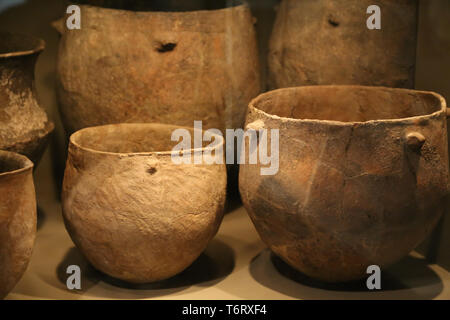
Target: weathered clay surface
24	126
363	182
17	218
133	213
128	66
322	42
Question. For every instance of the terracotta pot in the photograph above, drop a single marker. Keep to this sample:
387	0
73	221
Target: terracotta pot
17	218
158	66
322	42
133	213
24	126
363	176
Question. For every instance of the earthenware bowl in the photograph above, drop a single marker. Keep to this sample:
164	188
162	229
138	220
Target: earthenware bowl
17	218
363	176
158	61
24	126
323	42
133	212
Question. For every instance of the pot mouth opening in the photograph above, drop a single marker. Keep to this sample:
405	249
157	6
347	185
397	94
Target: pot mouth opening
144	139
13	163
348	104
163	5
17	45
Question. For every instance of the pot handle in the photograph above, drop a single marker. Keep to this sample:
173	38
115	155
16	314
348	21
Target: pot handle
415	141
59	26
256	125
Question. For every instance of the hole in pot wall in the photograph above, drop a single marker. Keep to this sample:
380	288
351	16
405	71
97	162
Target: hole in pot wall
165	47
151	171
333	21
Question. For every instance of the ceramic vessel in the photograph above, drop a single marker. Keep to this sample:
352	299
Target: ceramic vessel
323	42
17	218
24	126
362	180
134	213
151	64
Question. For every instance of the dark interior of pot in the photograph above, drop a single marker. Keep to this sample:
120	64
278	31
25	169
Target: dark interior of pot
163	5
11	162
134	138
347	103
11	43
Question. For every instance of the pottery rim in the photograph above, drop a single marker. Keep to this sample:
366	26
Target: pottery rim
443	106
33	45
239	4
74	136
42	134
22	163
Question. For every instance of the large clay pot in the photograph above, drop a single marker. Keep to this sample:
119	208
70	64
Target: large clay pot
134	213
24	126
322	42
158	66
363	176
17	218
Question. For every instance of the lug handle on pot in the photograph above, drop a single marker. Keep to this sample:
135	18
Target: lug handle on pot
415	141
256	126
59	26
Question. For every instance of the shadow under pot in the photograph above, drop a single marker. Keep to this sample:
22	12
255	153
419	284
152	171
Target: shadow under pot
140	61
17	218
322	42
363	176
137	210
24	126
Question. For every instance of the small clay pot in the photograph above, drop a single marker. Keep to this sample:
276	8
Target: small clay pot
363	176
142	61
134	213
17	218
323	42
24	126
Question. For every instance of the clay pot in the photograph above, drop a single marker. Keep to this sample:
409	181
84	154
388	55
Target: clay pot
363	176
128	66
17	218
322	42
24	126
133	213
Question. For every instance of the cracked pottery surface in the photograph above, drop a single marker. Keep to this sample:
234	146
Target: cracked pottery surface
17	218
133	213
323	42
363	176
24	126
182	66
